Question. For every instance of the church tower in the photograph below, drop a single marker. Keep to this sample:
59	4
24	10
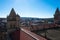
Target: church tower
13	20
57	17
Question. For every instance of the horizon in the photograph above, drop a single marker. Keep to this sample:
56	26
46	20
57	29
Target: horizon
30	17
29	8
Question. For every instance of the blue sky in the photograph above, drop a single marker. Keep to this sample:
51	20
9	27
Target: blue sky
29	8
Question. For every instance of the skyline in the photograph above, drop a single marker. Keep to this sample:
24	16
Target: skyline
29	8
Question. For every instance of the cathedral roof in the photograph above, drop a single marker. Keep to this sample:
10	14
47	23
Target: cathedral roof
12	13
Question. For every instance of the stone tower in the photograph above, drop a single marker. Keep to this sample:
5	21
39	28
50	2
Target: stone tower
57	17
13	20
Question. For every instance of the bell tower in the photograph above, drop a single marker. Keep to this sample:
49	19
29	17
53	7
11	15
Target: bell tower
57	17
13	20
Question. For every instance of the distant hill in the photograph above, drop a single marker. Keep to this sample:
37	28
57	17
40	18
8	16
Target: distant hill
30	18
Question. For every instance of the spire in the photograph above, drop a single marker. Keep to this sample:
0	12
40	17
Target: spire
57	11
12	13
18	15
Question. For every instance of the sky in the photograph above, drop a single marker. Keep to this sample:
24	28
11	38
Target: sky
29	8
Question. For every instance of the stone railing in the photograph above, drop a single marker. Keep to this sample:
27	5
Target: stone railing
28	35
